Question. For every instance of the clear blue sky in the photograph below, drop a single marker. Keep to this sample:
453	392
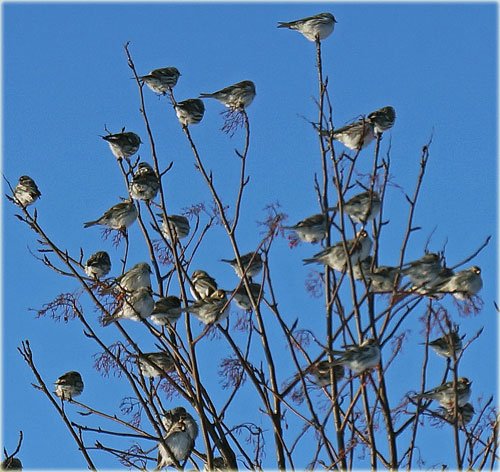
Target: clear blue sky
66	76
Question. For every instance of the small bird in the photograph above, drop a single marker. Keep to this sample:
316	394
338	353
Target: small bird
311	229
69	385
251	263
241	298
98	265
363	207
190	111
139	276
359	358
423	271
235	97
11	463
161	80
181	432
124	144
335	256
445	393
448	344
355	136
321	373
314	28
155	364
134	306
464	414
382	119
26	191
167	310
431	288
204	285
145	183
380	279
179	225
119	216
212	309
463	284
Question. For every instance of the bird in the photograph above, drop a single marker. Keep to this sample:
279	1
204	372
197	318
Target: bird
145	183
431	288
212	309
203	285
311	229
181	432
119	216
463	284
448	344
321	373
250	262
465	414
179	225
382	119
241	298
138	276
424	270
69	385
359	358
124	144
98	265
363	207
190	111
445	393
135	305
335	256
236	97
26	191
166	310
11	463
155	364
161	80
380	278
314	28
355	136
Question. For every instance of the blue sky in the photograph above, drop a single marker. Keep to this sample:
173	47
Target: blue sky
66	77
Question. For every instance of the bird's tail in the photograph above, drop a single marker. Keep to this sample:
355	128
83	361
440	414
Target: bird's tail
283	24
88	224
309	261
206	95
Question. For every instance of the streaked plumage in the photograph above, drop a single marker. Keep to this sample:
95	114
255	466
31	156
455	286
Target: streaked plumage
464	414
190	111
212	309
138	276
251	263
119	216
145	183
241	297
166	310
448	344
26	191
179	225
204	285
98	265
155	364
313	27
134	306
432	287
445	393
12	463
380	279
463	284
335	256
321	373
359	358
69	385
423	271
382	119
311	229
161	80
124	144
355	136
235	96
363	207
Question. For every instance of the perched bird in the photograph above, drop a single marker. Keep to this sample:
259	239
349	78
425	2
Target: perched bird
463	284
465	414
167	310
448	344
314	28
237	96
190	111
69	385
321	373
161	80
445	393
241	298
181	432
155	364
145	183
179	225
98	265
431	288
363	207
11	463
380	279
212	309
423	271
204	285
382	119
355	136
124	144
359	358
335	256
139	276
119	216
311	229
251	263
135	306
26	191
